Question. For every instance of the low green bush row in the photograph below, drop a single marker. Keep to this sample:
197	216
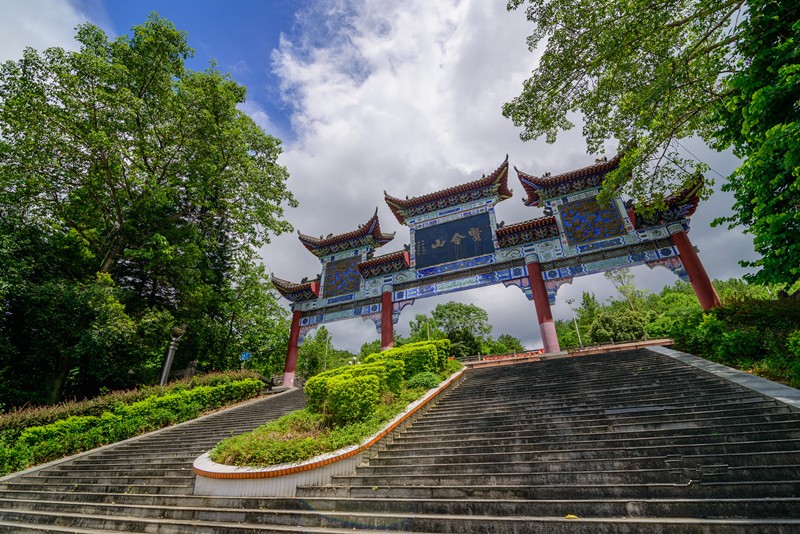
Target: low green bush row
78	433
18	420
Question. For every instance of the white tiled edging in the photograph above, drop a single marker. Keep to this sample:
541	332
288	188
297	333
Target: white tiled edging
282	480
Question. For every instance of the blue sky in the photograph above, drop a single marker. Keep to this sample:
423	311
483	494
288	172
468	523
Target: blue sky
374	95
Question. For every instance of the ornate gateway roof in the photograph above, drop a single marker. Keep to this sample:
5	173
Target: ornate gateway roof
296	292
368	233
389	263
494	184
527	232
543	188
679	205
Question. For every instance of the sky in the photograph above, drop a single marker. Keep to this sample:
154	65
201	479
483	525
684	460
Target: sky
375	95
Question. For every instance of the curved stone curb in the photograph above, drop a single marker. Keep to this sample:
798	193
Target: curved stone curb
282	480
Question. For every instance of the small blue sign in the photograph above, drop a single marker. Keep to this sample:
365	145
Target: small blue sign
244	356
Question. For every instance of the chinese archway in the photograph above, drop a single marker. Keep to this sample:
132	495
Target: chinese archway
456	244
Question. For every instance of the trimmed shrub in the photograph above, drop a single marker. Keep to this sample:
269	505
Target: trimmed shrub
425	380
417	357
352	399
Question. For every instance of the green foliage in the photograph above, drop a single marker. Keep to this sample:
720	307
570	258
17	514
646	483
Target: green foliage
426	380
752	334
264	446
760	118
318	354
302	435
457	317
424	328
504	344
73	434
421	356
643	75
649	76
352	399
14	422
621	325
120	223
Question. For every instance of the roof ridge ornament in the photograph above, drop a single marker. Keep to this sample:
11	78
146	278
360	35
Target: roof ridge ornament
494	184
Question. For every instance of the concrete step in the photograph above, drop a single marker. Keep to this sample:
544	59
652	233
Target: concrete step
677	475
343	522
500	463
693	490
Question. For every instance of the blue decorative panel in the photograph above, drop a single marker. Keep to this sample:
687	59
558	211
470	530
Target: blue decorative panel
585	221
456	266
342	277
454	240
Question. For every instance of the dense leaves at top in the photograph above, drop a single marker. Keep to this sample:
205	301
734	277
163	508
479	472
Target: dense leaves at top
649	73
133	194
760	118
642	72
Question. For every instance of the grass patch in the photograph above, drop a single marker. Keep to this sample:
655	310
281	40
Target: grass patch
302	435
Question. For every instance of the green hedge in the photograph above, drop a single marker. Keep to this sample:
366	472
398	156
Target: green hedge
13	423
342	399
39	444
416	357
352	399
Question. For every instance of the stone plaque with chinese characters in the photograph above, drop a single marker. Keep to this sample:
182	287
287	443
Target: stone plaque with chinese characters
342	277
585	221
454	240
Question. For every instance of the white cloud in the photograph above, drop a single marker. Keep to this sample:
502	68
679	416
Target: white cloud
406	97
38	24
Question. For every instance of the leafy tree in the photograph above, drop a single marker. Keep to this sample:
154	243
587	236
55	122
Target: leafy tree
424	328
318	354
623	282
313	353
643	74
133	191
623	325
760	119
464	343
504	344
648	75
370	347
589	309
455	316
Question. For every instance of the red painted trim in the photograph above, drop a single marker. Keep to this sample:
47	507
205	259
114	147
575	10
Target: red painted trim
697	274
543	312
294	337
387	327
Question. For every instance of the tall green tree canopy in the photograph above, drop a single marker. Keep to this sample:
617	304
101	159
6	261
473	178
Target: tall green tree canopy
455	316
760	119
136	191
651	73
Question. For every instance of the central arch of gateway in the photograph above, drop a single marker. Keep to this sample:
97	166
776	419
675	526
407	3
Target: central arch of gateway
456	245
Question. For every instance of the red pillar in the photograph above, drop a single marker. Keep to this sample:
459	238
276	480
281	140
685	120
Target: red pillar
542	304
387	328
697	274
291	353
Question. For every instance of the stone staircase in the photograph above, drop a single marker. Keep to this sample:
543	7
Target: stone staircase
625	442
